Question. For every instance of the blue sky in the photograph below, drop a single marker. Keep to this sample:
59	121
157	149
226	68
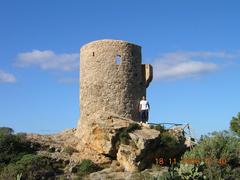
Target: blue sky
192	45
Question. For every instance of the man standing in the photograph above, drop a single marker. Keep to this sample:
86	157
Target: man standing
144	107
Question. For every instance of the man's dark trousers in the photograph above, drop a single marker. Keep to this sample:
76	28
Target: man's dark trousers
144	115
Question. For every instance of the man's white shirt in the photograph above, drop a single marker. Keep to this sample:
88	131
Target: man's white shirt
144	105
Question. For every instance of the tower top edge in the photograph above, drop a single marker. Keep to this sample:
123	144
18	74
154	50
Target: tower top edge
109	41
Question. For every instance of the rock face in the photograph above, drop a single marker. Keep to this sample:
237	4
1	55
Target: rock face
112	80
138	155
140	148
133	146
103	134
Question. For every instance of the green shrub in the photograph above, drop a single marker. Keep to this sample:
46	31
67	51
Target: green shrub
124	136
5	131
30	166
69	150
171	175
217	156
18	159
133	127
13	147
191	171
167	139
184	172
86	167
160	128
235	124
221	154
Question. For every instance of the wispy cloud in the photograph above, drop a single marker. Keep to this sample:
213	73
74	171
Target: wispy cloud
185	64
173	65
48	60
6	77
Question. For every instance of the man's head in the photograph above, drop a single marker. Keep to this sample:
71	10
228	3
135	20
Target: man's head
143	98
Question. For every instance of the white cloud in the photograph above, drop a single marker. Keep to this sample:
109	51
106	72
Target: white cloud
188	63
174	65
181	70
7	77
48	60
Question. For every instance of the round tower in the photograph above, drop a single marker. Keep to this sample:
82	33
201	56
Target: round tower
112	80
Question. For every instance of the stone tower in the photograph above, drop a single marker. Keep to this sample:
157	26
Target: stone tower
112	80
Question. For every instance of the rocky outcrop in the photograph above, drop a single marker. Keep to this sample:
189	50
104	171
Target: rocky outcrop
135	149
133	145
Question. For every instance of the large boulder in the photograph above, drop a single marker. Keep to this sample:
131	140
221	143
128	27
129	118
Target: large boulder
139	153
121	139
148	145
103	133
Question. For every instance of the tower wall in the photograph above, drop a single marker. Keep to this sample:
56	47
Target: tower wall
107	86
